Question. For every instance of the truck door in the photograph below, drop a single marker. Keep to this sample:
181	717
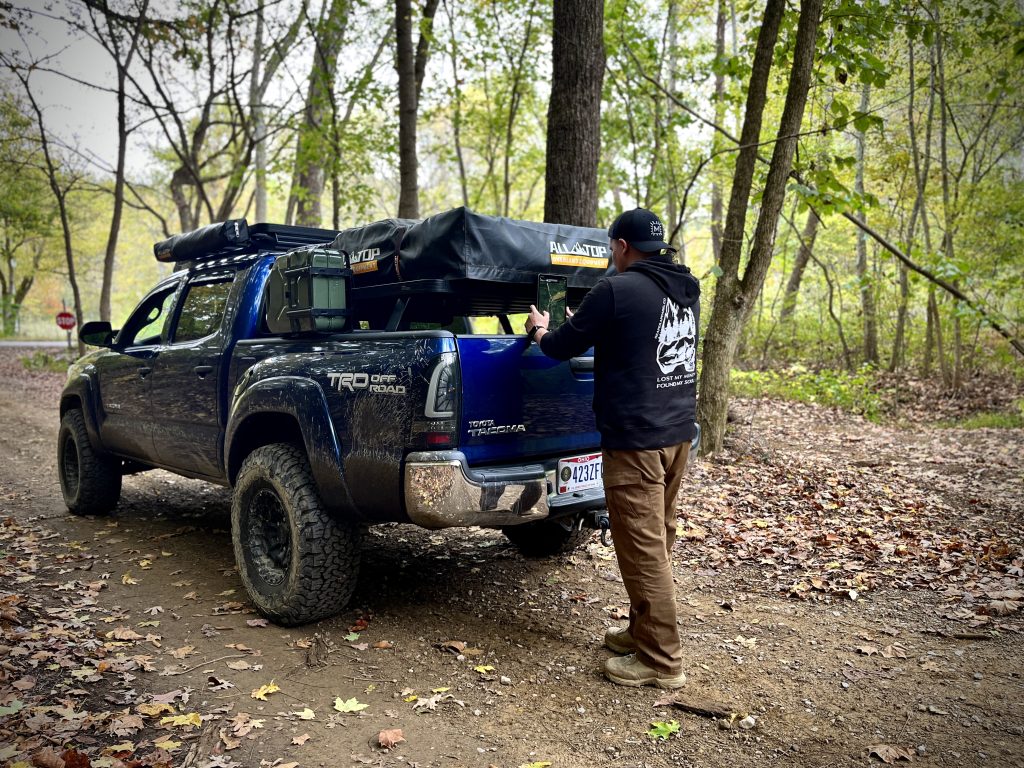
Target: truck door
187	388
124	374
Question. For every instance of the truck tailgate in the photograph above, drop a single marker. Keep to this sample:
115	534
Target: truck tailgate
519	405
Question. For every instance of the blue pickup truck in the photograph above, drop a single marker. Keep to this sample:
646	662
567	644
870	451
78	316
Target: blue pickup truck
428	409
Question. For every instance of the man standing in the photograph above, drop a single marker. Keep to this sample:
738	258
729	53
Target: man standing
642	323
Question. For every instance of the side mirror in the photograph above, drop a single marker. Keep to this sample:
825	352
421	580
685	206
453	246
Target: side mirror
97	334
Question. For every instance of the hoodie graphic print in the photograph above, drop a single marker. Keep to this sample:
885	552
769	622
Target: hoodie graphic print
677	340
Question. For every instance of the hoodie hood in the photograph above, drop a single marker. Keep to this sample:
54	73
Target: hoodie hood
673	279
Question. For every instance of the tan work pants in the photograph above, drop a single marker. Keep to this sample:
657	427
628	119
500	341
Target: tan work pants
640	488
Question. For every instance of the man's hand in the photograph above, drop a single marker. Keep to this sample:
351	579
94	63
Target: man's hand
535	318
569	313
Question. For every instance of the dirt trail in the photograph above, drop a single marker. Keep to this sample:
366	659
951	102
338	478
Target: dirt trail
827	679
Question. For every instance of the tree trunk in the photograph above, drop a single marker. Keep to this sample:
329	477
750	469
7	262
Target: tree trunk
867	296
60	195
803	255
716	187
259	123
112	44
574	113
453	53
734	296
411	66
312	147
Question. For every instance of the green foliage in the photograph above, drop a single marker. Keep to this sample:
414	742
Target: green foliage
662	730
853	392
40	360
991	419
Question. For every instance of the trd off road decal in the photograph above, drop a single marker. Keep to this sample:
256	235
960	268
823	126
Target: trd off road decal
378	383
677	345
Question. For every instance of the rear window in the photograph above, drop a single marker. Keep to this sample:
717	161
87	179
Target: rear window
202	311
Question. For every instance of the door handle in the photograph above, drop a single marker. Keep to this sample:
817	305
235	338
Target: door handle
144	371
202	370
582	365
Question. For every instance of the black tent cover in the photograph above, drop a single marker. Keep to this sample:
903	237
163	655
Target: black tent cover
461	245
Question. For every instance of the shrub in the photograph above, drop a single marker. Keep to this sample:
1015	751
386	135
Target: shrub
853	392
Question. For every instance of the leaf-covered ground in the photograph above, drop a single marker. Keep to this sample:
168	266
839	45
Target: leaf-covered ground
849	595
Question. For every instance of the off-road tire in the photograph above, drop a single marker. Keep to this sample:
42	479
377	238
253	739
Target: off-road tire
298	562
545	538
89	478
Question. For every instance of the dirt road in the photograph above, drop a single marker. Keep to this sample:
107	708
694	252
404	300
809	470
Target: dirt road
855	590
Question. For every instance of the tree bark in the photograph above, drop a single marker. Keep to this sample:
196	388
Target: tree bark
112	43
716	187
312	148
803	256
259	123
574	113
411	66
735	295
864	278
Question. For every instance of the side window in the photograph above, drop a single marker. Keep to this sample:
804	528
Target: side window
202	310
148	323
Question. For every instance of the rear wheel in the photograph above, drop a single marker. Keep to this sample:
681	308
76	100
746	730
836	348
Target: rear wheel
297	562
547	537
90	480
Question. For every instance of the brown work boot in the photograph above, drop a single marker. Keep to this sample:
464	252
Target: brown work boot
628	670
619	640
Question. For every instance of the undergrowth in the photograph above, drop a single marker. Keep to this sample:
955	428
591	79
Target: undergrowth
854	392
44	361
990	419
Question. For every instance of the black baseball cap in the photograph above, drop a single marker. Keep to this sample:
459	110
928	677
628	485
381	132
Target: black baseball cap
641	229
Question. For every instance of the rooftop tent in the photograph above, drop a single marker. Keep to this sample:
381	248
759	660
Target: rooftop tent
490	255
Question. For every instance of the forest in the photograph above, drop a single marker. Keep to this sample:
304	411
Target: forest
844	176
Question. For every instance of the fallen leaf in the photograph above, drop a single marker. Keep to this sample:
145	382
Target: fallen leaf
230	742
390	737
238	665
383	645
154	709
24	683
257	622
191	719
263	691
124	633
888	753
894	652
181	653
867	650
167	744
155	610
351	705
300	740
483	669
126	725
126	578
305	714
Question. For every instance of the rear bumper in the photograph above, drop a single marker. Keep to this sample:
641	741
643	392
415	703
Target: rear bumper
442	491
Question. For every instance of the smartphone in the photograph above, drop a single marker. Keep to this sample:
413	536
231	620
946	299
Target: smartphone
551	293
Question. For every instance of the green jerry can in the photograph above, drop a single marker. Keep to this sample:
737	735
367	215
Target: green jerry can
308	290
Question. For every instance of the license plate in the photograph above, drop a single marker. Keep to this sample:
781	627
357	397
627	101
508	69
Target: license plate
579	473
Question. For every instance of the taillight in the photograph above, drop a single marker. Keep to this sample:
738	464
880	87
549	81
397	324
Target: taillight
435	430
443	389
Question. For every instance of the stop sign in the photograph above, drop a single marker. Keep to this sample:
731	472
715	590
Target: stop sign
66	320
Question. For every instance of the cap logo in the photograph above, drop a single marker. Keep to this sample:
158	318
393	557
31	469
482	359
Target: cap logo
657	231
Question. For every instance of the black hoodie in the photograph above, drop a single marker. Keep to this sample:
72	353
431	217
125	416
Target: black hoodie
643	326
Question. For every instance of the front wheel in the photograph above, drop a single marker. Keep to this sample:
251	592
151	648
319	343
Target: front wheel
90	480
547	537
297	562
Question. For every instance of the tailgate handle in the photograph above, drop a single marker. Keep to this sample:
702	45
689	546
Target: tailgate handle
582	364
144	371
202	370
